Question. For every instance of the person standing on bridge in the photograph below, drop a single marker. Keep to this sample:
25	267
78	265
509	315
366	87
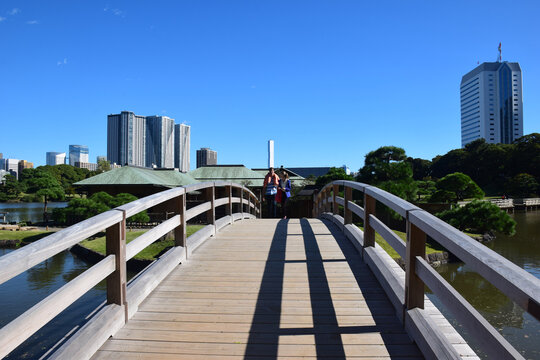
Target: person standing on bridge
270	185
285	189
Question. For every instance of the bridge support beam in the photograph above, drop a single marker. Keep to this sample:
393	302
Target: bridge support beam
211	214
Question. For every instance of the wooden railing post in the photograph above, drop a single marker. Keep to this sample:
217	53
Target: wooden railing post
335	205
210	196
228	208
327	197
347	214
242	201
116	245
369	209
414	286
180	231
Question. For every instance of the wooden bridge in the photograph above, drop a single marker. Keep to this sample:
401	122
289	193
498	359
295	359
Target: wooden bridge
243	287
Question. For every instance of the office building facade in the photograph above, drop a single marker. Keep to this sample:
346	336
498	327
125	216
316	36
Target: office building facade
55	158
78	153
182	135
159	142
492	103
12	167
206	156
126	139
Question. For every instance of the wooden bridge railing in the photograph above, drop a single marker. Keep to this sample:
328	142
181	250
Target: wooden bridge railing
122	300
516	283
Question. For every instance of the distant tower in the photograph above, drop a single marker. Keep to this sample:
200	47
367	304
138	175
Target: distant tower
55	158
181	147
492	103
205	157
270	153
78	153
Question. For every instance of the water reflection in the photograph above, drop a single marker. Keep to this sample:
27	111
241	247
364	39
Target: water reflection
518	327
33	212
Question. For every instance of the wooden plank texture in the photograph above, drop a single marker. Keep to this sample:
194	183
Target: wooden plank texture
267	288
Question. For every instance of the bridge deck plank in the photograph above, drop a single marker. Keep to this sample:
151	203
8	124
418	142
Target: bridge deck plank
264	288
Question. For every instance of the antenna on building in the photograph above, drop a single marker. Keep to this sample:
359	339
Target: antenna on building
499	58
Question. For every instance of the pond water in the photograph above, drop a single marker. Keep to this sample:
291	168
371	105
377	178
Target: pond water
33	212
27	289
517	326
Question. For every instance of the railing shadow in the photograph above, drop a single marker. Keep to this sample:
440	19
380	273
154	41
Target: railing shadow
325	329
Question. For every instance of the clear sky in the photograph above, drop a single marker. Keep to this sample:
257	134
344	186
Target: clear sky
328	81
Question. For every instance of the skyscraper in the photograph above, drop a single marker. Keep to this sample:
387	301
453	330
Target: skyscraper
491	103
78	153
205	157
126	139
182	133
159	142
55	158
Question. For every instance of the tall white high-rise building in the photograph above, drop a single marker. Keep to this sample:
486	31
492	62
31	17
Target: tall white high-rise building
492	103
182	134
55	158
78	153
159	142
270	153
126	139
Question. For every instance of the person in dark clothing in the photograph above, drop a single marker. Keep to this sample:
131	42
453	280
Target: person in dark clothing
285	188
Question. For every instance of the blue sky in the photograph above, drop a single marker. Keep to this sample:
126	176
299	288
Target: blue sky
329	81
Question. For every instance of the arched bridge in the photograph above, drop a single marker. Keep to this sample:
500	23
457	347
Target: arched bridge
245	287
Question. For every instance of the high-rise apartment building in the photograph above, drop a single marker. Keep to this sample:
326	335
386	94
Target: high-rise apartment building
491	103
206	156
55	158
182	133
12	167
126	139
78	153
159	142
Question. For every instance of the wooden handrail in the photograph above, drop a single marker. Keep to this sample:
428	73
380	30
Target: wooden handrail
113	266
513	281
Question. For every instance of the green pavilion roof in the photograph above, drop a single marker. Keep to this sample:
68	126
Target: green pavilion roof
130	175
234	173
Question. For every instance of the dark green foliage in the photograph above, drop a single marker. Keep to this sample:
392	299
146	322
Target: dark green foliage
522	185
333	174
388	169
104	165
479	217
456	187
426	188
10	188
81	209
421	168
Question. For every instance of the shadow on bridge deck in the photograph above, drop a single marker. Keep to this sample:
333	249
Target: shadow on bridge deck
267	289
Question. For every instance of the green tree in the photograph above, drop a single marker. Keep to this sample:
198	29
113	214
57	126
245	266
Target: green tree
46	186
421	168
479	217
103	165
333	174
388	169
10	189
455	187
522	185
426	188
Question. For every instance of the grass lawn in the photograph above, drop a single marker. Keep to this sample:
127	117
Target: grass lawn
149	253
23	236
390	250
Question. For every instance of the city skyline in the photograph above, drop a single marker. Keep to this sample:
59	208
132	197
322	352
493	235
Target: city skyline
329	82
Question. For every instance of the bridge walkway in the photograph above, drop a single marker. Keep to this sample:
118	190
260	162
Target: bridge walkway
267	288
